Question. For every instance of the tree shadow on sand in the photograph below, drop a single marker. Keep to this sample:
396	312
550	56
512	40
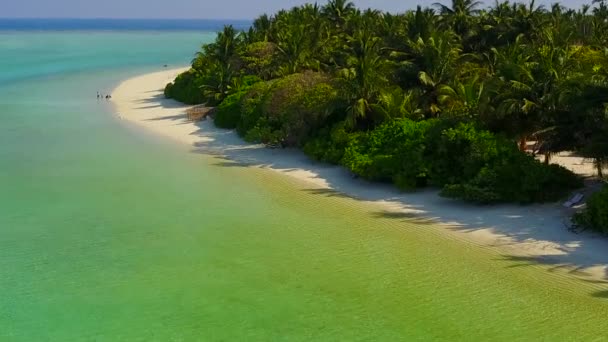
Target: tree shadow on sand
546	223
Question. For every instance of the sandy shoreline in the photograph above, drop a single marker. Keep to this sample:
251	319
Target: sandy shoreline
534	234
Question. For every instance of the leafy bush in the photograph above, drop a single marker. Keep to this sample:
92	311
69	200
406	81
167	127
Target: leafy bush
470	164
298	105
186	88
329	144
263	134
286	111
229	111
392	152
595	215
457	154
260	59
515	177
251	107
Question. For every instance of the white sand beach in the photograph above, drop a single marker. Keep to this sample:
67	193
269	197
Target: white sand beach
531	234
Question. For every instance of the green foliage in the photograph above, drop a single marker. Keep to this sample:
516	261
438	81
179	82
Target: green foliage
251	107
595	215
263	133
286	111
515	177
186	88
458	153
260	59
445	97
329	144
394	151
299	104
229	111
471	164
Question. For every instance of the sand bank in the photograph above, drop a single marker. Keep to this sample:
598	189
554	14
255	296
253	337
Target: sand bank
531	234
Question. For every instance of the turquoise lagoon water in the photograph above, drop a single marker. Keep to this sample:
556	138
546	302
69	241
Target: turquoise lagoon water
110	234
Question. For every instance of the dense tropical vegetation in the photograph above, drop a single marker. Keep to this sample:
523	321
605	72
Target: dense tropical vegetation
449	96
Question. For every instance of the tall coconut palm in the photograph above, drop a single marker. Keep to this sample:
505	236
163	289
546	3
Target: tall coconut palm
293	48
217	82
435	59
589	124
261	29
395	103
602	8
465	98
420	23
364	76
528	19
337	11
459	15
226	44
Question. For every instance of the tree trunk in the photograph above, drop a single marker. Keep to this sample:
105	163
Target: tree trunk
547	158
598	165
523	143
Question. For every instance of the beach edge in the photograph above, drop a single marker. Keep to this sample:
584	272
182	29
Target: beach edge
536	232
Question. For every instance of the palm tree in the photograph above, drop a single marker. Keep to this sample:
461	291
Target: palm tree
528	20
293	49
459	15
217	83
496	26
226	44
395	103
435	59
465	98
261	29
337	11
364	76
601	10
589	125
420	23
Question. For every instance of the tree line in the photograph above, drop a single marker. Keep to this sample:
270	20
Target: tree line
454	95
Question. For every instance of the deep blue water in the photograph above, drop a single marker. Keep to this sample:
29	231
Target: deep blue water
11	24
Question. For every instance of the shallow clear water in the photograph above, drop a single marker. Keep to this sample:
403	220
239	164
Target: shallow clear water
109	234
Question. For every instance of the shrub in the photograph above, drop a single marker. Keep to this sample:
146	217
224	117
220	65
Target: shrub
470	164
457	154
229	111
595	215
285	111
251	107
515	177
392	152
186	88
259	59
471	193
263	134
329	144
298	105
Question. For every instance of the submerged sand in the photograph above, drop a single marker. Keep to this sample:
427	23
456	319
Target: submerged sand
535	233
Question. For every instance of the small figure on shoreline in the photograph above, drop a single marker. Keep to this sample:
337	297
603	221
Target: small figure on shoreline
98	95
108	97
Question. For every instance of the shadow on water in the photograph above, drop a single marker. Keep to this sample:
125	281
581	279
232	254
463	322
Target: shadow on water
327	193
517	224
601	294
410	217
556	265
